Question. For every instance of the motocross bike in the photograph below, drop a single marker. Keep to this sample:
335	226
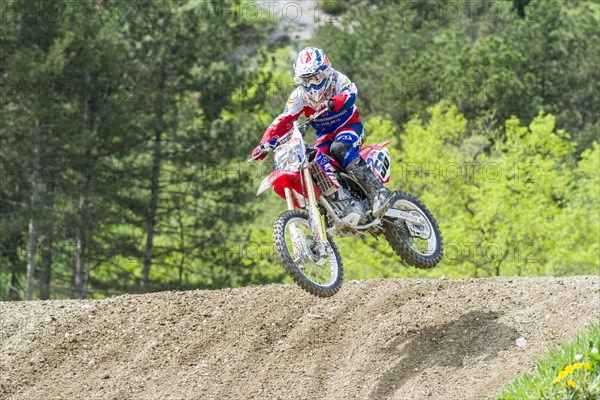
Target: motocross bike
318	210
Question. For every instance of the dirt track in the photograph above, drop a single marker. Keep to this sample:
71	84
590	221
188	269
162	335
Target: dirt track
381	339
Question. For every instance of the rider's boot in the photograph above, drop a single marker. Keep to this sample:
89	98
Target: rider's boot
380	195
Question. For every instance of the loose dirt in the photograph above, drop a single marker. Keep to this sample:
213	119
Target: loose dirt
379	339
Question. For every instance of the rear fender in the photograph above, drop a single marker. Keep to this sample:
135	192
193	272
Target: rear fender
365	151
378	158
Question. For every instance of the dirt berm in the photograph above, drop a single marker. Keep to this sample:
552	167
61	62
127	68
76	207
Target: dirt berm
380	339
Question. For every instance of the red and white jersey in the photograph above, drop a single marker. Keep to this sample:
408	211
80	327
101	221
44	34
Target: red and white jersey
343	95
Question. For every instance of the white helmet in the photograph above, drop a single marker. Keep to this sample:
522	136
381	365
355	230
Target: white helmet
313	73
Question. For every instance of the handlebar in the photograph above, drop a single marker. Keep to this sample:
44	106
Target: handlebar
267	148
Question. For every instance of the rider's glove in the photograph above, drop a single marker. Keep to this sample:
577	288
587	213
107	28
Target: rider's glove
328	105
261	151
258	154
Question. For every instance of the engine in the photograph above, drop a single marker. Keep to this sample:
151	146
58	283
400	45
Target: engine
347	207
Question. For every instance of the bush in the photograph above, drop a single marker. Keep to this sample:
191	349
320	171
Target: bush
333	7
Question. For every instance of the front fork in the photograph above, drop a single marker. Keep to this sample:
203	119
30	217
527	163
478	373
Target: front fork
316	222
289	199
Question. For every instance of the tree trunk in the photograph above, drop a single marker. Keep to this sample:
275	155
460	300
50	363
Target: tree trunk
47	241
15	288
13	291
151	221
81	233
181	246
32	234
80	240
30	260
500	261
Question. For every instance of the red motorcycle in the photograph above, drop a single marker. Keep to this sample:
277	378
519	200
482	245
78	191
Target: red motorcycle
319	210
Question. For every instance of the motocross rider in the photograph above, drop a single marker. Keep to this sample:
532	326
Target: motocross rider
339	131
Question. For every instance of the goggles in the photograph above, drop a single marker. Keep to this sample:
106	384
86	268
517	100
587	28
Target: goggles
313	80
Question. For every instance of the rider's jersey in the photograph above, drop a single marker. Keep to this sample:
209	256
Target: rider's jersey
344	97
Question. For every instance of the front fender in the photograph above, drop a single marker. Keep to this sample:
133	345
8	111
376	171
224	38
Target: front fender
280	178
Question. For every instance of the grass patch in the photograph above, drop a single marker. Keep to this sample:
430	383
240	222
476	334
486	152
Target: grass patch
568	372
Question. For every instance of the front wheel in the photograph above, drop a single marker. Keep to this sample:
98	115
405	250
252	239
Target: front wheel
318	274
418	245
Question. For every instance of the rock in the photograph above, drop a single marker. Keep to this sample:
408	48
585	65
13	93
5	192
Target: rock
521	342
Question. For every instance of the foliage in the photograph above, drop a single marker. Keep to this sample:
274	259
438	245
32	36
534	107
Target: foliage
407	56
120	95
509	201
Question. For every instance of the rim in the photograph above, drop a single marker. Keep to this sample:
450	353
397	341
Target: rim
323	271
422	239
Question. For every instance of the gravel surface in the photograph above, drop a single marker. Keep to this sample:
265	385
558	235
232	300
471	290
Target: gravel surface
379	339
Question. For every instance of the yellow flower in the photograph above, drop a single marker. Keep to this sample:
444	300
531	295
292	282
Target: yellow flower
569	369
587	365
571	382
555	380
562	374
577	365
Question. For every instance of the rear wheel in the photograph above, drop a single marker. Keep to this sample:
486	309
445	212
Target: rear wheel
418	245
296	249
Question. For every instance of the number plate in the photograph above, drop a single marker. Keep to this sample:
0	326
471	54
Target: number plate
289	157
379	160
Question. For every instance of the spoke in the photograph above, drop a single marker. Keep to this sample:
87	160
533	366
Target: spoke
310	269
311	272
314	274
317	273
